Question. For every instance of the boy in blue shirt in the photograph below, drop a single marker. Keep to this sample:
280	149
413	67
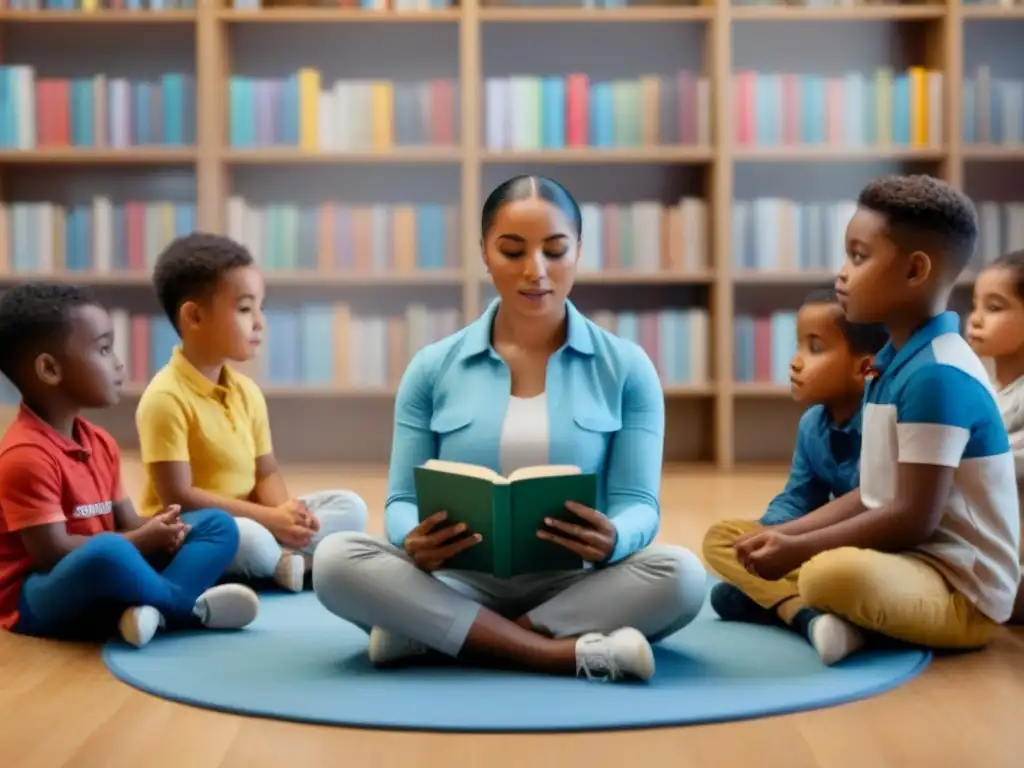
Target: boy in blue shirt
827	372
926	549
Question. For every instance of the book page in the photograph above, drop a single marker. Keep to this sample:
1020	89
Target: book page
467	470
553	470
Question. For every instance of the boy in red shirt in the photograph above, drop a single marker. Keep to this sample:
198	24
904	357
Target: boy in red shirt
75	558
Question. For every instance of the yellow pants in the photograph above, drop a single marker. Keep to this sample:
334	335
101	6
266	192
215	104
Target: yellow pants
900	596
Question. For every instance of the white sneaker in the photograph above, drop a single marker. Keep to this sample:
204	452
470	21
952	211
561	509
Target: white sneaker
227	606
138	625
625	653
388	647
290	572
834	638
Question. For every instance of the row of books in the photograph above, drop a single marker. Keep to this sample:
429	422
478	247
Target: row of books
675	339
854	109
360	239
301	110
95	236
317	345
646	236
96	111
763	345
993	109
532	113
779	235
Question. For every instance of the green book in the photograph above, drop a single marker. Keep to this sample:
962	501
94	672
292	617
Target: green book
507	512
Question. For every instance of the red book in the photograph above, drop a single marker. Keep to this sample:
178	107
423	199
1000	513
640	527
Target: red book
762	349
578	110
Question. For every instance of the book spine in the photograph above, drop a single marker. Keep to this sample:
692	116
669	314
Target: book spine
504	558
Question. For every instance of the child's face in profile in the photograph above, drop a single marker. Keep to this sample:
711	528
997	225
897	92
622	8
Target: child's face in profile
230	324
823	370
996	325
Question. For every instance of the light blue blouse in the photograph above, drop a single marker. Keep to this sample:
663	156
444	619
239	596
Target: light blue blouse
606	412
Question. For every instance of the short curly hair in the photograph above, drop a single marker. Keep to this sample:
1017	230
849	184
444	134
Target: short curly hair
862	338
36	318
190	268
924	213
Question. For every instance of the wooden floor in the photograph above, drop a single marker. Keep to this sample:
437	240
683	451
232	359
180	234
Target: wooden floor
60	707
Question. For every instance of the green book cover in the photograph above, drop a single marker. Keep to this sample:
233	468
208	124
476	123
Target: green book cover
506	512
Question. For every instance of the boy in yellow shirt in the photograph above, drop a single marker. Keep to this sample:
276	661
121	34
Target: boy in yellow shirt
203	427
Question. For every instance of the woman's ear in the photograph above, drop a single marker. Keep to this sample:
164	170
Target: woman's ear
483	256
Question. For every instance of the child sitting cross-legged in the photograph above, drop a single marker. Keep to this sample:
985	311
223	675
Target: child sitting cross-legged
827	373
996	331
204	429
76	561
926	550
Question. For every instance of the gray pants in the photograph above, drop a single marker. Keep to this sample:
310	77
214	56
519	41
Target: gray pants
259	552
371	583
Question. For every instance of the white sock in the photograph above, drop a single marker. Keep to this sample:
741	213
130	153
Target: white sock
834	638
137	625
227	606
290	572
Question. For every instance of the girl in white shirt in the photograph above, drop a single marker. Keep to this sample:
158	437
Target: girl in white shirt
996	330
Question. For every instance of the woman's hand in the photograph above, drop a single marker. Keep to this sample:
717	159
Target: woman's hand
429	549
593	538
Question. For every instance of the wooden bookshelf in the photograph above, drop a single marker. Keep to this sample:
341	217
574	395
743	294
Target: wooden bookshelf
214	161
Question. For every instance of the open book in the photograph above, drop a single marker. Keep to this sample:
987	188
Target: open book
506	511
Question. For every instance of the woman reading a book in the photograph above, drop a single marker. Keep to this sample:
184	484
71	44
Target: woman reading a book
531	384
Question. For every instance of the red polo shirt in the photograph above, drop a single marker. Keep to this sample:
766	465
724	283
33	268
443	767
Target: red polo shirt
46	478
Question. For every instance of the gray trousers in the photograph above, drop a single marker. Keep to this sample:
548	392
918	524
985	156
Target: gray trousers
259	552
371	583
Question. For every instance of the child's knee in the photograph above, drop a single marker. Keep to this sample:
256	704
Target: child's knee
721	536
109	553
215	524
837	575
342	511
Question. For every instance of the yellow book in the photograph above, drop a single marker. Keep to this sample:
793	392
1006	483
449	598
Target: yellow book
90	6
309	109
383	99
918	106
883	106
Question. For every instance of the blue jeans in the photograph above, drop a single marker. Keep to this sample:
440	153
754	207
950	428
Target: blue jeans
86	592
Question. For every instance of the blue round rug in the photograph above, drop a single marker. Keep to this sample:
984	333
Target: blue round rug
298	662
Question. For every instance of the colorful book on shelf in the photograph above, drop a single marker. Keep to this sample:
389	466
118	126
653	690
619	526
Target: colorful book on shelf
527	113
993	109
345	116
99	111
851	110
506	512
99	236
1000	230
645	236
358	239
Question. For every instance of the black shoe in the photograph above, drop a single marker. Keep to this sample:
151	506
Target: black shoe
732	605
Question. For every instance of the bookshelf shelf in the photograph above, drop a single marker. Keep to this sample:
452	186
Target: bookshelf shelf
290	156
477	45
864	13
293	15
814	154
634	155
83	156
98	17
597	15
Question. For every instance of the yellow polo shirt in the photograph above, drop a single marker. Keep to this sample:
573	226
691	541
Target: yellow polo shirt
219	429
